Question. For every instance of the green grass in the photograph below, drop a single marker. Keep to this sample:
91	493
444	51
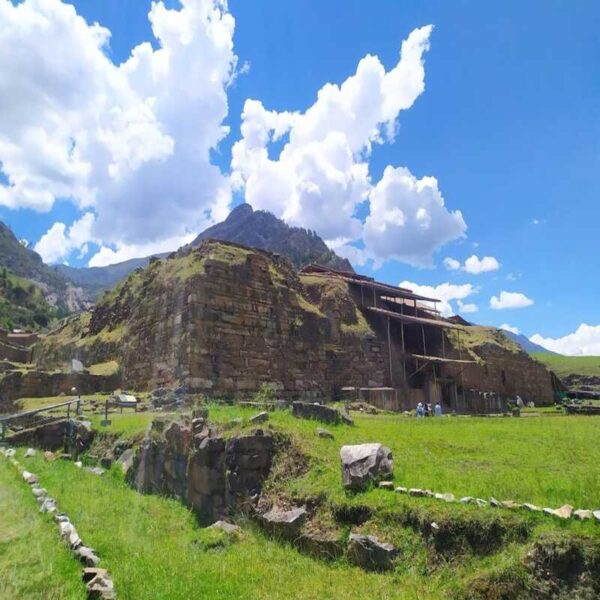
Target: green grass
154	549
33	562
568	365
548	461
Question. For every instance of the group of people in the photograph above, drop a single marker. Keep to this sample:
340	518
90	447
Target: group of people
425	410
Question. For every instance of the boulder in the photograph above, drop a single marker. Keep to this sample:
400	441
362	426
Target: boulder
323	433
320	545
48	505
531	507
226	527
447	497
364	464
583	515
30	452
99	584
30	478
564	512
368	552
87	556
284	523
261	417
417	492
402	490
125	461
318	412
386	485
48	456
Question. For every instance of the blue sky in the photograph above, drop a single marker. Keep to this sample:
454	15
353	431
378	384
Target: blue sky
508	124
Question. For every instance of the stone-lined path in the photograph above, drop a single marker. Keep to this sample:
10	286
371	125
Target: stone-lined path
98	582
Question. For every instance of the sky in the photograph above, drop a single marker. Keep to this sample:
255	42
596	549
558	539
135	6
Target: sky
450	147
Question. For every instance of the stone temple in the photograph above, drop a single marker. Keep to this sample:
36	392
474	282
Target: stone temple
222	319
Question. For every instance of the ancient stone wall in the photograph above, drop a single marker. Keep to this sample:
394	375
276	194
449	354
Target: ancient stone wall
14	353
193	462
223	320
508	374
39	384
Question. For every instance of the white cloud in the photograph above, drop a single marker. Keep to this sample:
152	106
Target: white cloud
584	341
133	141
510	300
451	264
467	308
108	256
321	174
58	242
445	292
510	328
476	265
408	220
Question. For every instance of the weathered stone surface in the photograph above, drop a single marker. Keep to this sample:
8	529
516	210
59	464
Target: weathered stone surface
365	464
226	527
320	545
284	523
261	417
95	470
531	507
510	504
386	485
38	491
368	552
402	490
87	556
30	452
318	412
447	497
467	500
583	515
481	502
210	474
564	512
30	478
324	433
125	461
99	585
416	492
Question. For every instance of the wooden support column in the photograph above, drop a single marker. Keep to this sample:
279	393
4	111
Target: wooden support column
390	352
403	350
423	335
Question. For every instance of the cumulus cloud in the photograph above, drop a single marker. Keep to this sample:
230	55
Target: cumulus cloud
59	241
476	265
408	219
445	292
130	141
510	328
510	300
321	175
451	264
584	341
473	265
467	308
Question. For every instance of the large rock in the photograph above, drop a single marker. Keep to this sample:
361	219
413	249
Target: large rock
318	412
284	523
368	552
365	464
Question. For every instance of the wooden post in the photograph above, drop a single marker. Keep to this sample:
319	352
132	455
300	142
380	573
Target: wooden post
390	351
423	335
443	343
403	351
374	297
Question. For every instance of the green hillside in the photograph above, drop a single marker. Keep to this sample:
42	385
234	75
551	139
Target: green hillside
570	365
22	304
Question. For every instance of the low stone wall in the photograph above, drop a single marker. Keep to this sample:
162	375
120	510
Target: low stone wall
14	353
191	461
40	384
72	435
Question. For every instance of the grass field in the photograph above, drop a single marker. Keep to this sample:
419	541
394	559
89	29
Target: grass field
154	548
33	565
567	365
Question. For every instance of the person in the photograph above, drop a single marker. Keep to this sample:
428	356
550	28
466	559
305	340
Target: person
438	409
420	411
427	409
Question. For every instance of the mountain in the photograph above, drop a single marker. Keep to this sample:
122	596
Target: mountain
24	265
95	280
263	230
257	229
525	343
